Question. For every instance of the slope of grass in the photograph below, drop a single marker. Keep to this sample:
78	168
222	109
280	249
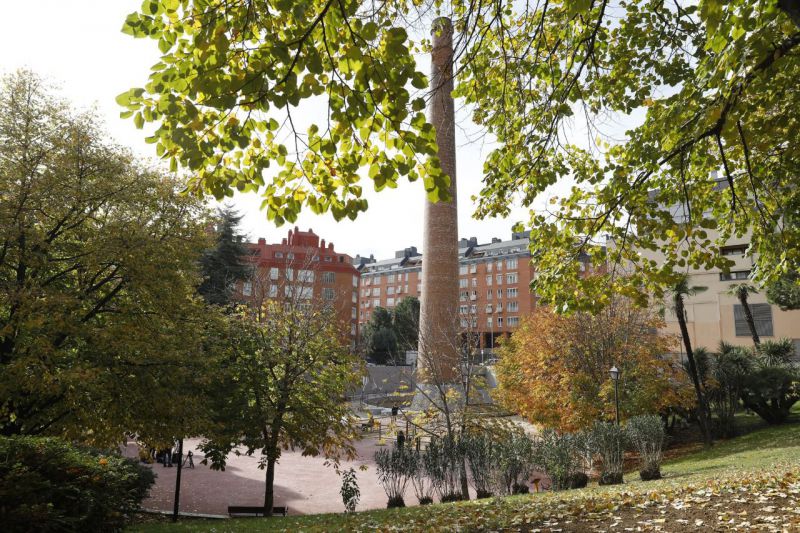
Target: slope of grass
745	468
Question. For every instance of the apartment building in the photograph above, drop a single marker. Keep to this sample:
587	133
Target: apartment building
494	281
305	268
713	315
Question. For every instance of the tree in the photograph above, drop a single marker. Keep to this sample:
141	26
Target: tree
390	333
380	337
284	386
554	370
785	292
742	291
680	291
706	87
406	323
99	322
226	263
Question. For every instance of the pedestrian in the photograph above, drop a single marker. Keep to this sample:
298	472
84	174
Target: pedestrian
167	454
401	440
189	458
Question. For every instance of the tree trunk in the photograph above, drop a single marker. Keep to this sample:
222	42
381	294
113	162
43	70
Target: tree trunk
464	484
749	317
269	492
705	427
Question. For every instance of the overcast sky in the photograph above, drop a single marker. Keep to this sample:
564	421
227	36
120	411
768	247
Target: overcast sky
77	45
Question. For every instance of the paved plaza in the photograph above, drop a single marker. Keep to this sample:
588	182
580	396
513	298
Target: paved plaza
304	484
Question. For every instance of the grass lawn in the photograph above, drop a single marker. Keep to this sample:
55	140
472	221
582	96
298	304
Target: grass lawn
748	483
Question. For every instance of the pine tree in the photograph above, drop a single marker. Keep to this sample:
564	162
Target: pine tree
226	263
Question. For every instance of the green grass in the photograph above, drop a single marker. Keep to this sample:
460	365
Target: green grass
762	452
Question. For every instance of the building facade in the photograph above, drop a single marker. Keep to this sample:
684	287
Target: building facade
307	270
493	280
713	315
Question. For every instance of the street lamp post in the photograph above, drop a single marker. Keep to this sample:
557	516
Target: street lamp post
364	381
615	376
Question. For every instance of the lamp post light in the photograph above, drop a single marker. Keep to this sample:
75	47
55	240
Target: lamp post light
364	381
615	376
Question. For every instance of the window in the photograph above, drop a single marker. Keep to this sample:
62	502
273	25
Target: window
473	268
463	283
512	306
511	292
278	255
463	322
328	259
762	316
405	278
489	322
328	294
489	279
289	274
390	278
290	255
499	264
511	278
462	309
405	288
273	273
305	276
734	274
330	277
376	291
474	282
355	281
315	259
365	292
513	321
474	295
353	313
419	287
463	295
389	302
511	263
462	270
352	329
499	279
499	322
499	293
367	281
489	294
390	290
247	288
473	309
489	266
273	291
355	296
306	293
474	322
489	308
738	249
376	302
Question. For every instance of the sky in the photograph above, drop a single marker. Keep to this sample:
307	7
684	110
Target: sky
77	46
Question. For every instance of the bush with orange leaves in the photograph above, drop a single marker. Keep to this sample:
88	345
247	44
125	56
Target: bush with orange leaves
555	368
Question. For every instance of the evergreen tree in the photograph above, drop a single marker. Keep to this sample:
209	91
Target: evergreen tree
226	263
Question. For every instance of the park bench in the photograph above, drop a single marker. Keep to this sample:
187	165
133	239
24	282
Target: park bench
254	510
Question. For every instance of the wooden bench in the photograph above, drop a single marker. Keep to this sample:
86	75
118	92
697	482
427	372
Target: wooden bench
252	510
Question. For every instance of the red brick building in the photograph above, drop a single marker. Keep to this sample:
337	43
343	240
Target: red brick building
307	268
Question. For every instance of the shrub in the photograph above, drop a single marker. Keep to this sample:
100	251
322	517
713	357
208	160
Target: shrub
443	459
480	452
350	491
609	440
514	460
771	392
646	434
423	488
557	454
47	484
395	466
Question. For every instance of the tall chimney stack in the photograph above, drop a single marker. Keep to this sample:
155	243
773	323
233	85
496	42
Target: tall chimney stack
438	354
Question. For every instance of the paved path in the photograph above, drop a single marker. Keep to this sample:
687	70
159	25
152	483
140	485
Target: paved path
304	484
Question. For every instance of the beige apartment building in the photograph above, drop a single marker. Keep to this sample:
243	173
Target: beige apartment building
713	315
